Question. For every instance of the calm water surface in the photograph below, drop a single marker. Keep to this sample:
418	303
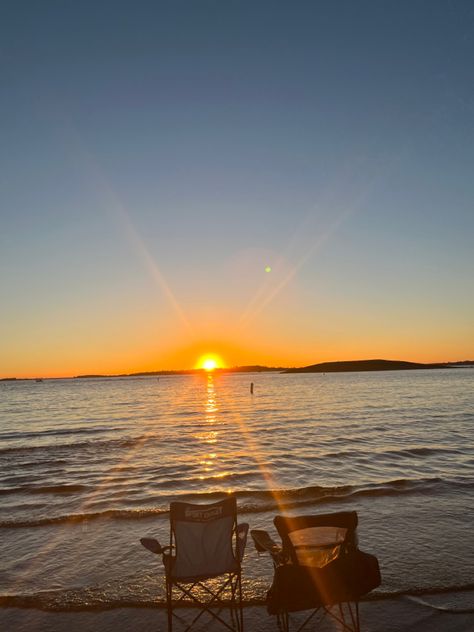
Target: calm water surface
89	466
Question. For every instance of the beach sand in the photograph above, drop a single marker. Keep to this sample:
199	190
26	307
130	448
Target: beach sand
399	614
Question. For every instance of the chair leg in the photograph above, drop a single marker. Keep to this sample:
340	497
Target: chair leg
353	610
241	608
342	615
169	605
348	616
357	619
235	607
283	621
234	583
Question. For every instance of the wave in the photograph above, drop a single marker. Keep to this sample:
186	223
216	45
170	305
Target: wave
250	501
77	600
98	445
67	488
116	514
55	432
421	451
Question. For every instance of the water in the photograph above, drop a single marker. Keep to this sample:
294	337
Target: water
89	466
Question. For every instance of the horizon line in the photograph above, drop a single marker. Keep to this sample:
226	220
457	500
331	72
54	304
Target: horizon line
251	368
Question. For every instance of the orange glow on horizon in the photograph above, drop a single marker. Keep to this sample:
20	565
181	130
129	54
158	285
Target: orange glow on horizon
260	347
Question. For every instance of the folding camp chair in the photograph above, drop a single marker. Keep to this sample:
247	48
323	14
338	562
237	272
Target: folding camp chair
318	567
203	561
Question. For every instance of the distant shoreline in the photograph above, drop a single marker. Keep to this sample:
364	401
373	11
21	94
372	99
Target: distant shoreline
350	366
346	366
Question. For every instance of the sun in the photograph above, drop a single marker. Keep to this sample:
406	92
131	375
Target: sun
209	362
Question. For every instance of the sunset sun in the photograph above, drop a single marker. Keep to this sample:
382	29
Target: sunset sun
209	362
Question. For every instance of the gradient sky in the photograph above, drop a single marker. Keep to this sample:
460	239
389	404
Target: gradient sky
155	157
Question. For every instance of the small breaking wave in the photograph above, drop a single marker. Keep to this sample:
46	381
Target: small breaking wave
250	501
99	445
108	514
45	489
54	432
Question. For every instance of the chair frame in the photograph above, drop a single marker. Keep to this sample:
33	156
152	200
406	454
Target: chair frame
233	581
346	613
346	610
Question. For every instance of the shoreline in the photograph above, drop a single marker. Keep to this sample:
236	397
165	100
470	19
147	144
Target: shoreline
452	611
30	602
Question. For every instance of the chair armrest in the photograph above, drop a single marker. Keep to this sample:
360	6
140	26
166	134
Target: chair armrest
153	545
242	531
264	543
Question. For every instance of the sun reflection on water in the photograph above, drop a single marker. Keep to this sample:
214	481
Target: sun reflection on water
211	403
208	461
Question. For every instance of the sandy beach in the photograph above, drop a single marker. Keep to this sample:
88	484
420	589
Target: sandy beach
434	613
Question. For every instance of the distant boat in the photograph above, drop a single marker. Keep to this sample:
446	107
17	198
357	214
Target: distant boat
39	379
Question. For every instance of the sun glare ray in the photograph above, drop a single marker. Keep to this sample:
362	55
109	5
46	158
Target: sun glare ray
249	444
58	539
116	209
144	254
253	449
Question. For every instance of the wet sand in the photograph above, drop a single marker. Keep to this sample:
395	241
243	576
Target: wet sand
453	612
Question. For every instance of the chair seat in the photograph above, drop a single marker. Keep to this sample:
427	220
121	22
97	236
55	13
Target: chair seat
168	561
346	578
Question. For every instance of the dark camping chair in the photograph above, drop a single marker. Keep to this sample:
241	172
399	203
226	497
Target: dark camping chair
318	567
203	561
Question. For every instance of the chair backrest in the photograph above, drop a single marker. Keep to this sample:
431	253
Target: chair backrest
315	540
203	536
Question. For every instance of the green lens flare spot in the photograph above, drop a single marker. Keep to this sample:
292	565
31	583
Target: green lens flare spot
268	269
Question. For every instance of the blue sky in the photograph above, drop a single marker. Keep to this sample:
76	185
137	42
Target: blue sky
156	156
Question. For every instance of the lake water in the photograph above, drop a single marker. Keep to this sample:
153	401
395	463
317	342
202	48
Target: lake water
88	466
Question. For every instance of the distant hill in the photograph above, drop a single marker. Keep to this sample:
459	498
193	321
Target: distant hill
236	369
461	363
255	368
364	365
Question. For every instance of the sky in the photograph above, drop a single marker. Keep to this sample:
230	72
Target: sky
276	183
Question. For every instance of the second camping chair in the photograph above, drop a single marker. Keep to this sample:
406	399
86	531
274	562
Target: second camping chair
318	567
